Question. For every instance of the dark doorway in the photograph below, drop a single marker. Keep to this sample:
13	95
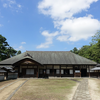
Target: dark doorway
83	72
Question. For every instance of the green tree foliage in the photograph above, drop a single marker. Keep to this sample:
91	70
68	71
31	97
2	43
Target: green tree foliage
6	51
75	50
91	51
18	52
95	38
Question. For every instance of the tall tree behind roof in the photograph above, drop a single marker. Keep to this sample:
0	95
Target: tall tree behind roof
6	51
91	51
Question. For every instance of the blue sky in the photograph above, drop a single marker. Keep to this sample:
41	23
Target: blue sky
49	25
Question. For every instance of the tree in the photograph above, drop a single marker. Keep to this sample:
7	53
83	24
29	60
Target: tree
18	52
95	38
91	51
6	51
75	50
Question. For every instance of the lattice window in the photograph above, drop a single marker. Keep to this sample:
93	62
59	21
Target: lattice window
29	71
57	71
48	71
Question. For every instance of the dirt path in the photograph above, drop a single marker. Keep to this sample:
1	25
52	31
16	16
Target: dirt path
93	88
8	90
4	83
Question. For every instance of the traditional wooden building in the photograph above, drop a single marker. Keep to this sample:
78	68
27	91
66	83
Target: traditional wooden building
52	63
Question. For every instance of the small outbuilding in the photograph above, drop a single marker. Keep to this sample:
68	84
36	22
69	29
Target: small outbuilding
7	72
97	69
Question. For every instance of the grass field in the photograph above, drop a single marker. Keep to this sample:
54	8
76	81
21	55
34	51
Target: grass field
45	89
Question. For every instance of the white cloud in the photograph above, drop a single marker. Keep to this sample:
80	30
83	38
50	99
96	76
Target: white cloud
5	5
20	48
23	42
19	5
12	4
70	28
11	1
77	28
49	39
60	9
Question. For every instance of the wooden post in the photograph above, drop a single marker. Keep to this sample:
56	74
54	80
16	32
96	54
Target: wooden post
37	71
46	70
60	70
80	71
89	71
98	73
18	71
73	71
53	70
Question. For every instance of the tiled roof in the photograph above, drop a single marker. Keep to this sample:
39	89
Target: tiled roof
50	57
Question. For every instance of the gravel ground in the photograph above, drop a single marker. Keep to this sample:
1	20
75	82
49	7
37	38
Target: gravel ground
93	89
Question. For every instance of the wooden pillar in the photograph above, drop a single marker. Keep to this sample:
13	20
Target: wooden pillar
60	70
18	71
98	73
73	71
66	69
53	70
37	71
46	70
80	69
89	71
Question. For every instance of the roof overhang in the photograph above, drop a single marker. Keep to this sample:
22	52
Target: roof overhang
96	68
30	59
2	71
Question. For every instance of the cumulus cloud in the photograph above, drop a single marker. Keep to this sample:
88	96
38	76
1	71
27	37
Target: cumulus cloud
70	28
49	39
60	9
77	28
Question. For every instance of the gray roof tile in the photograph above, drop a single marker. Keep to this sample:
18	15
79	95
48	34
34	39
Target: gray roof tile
51	57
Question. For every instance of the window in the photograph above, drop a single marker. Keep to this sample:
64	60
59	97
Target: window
62	71
41	71
48	71
29	71
77	71
71	71
1	73
57	71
